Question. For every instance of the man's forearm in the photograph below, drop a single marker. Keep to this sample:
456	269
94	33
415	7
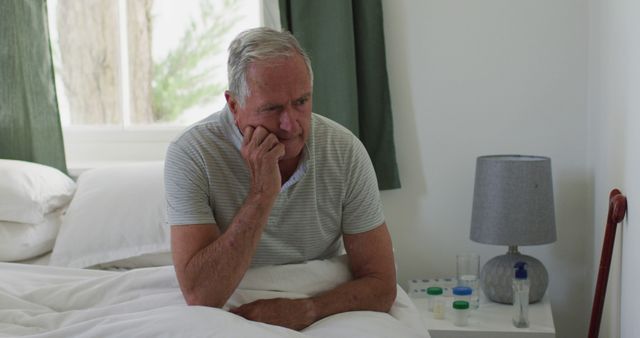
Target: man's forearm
370	293
365	294
216	270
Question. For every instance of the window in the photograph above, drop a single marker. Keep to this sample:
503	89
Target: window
143	63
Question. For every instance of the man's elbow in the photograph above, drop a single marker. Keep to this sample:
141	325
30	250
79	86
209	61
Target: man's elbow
195	297
385	295
388	296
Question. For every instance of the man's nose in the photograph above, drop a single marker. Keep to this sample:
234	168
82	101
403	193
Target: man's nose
287	120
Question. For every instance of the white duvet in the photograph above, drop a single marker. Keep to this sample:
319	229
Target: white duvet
44	301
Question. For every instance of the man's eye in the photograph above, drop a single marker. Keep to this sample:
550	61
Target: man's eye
302	101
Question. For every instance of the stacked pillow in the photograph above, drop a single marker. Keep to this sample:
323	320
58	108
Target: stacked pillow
32	197
116	219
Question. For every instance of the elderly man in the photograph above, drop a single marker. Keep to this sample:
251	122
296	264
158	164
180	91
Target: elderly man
266	181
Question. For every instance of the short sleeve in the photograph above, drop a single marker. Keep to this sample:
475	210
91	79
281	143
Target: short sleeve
362	208
186	187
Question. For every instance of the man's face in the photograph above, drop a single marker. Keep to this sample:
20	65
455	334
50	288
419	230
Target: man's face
279	100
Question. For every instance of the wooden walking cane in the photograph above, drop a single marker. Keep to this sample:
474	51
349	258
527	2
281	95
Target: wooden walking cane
617	211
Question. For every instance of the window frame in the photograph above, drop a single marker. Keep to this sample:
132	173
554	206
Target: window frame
89	147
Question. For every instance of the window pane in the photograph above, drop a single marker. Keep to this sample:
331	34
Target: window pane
185	78
144	62
86	51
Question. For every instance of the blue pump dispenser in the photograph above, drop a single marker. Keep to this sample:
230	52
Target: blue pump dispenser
521	270
520	296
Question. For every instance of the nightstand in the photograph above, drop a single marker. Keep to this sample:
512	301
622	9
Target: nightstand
490	320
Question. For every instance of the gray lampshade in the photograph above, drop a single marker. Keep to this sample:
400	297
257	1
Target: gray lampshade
513	201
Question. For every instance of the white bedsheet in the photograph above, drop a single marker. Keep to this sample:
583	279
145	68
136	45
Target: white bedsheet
43	301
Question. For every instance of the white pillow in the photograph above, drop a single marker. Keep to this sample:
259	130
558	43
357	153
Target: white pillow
146	260
20	241
28	191
117	214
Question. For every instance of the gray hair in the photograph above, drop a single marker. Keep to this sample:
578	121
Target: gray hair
258	44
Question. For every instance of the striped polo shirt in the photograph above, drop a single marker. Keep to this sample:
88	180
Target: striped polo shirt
333	191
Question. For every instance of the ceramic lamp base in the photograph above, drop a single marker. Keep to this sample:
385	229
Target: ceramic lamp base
497	274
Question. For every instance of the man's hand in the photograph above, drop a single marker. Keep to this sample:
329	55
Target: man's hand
261	151
295	314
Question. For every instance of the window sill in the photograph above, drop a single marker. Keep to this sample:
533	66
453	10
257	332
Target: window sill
93	147
118	134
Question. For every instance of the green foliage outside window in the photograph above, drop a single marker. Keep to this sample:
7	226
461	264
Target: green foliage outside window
184	79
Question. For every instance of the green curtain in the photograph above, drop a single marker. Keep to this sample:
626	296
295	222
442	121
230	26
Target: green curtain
29	119
345	41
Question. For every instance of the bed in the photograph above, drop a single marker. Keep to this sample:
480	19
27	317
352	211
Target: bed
92	259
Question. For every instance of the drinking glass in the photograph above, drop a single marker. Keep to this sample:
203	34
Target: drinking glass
467	272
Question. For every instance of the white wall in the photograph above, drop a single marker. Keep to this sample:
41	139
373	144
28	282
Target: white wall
614	111
470	78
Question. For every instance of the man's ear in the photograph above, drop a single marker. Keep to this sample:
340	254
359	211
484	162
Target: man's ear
231	102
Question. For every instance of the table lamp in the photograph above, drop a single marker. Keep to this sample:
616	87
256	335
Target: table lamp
512	206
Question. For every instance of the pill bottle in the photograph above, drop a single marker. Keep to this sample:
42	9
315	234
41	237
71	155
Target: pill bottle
460	313
433	294
462	293
438	308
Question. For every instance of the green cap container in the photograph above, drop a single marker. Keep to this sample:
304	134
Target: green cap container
461	305
434	291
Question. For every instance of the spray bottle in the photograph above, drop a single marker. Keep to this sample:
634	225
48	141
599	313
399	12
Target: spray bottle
520	296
